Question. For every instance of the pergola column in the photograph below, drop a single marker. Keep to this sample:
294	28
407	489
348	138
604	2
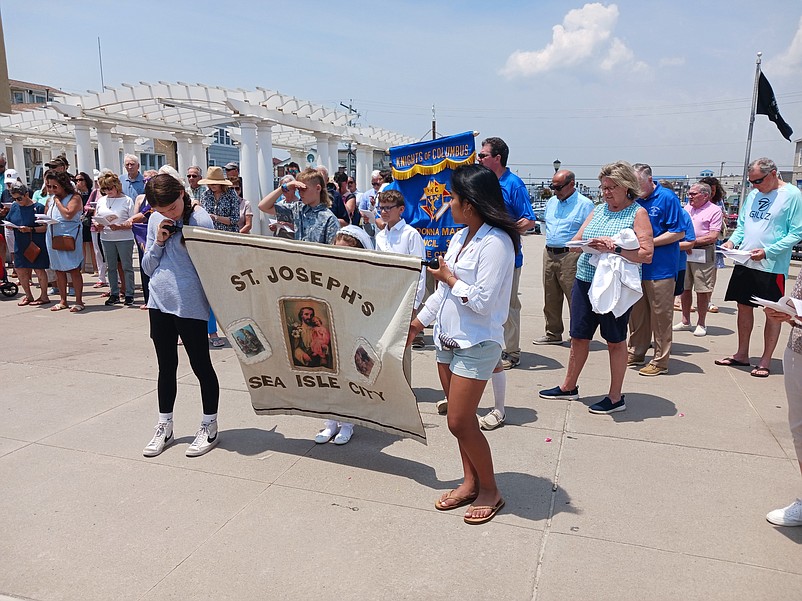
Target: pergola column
129	144
84	153
364	165
323	151
108	150
18	157
249	165
198	153
183	150
264	142
334	161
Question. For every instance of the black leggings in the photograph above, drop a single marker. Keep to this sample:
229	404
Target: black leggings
164	331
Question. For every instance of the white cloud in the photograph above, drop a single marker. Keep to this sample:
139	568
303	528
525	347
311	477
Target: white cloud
790	61
677	61
585	34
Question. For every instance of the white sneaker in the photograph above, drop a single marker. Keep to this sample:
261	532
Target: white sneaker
442	406
681	327
700	331
787	516
205	440
345	434
327	433
492	420
160	440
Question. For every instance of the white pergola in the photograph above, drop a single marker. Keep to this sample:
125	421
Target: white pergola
260	119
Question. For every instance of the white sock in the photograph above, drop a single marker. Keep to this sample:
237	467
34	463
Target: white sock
208	419
330	425
346	426
499	380
165	417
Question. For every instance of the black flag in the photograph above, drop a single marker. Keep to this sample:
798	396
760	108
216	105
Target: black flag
767	105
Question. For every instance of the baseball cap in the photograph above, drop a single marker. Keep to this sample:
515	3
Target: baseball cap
231	165
57	162
11	176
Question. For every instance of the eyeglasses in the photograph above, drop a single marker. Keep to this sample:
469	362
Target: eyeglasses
386	208
558	188
755	182
608	188
483	155
190	176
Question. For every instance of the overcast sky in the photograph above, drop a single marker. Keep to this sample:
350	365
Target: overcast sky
668	83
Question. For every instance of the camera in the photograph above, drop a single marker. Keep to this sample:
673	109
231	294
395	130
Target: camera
172	228
432	264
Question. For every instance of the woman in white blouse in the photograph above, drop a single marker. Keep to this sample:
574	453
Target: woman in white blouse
117	238
469	309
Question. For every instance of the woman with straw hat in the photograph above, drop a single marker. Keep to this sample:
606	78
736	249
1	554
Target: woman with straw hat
220	200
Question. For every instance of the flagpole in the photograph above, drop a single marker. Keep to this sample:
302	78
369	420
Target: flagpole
749	136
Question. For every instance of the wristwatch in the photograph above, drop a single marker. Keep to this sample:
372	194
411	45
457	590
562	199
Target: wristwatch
617	249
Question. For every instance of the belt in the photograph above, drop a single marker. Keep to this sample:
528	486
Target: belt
557	251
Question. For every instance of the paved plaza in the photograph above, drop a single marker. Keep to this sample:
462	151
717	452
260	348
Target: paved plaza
664	501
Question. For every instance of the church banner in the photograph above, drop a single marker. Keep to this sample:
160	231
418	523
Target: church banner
319	330
422	173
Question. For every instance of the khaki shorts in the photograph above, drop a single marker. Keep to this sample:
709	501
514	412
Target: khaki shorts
700	277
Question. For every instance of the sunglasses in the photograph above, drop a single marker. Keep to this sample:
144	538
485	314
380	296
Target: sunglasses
558	188
483	155
755	182
189	176
386	208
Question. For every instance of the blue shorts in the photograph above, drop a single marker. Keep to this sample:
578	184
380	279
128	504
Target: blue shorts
475	363
584	321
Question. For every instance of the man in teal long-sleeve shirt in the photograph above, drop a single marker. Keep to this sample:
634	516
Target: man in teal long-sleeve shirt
769	225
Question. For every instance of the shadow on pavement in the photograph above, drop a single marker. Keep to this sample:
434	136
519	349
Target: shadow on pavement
640	407
525	494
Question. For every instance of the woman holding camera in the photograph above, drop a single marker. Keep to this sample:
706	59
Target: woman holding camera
177	307
469	309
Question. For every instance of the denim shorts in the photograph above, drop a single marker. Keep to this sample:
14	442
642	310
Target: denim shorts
476	362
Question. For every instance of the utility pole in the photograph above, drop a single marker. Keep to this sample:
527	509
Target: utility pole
434	124
5	88
349	161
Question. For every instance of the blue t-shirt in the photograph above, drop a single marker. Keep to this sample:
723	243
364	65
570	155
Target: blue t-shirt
690	236
663	208
517	200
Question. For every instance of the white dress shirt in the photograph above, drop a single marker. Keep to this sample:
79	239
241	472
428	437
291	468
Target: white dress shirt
404	240
484	271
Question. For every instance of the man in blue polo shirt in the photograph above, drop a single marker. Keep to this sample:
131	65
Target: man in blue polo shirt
494	156
566	211
132	180
653	313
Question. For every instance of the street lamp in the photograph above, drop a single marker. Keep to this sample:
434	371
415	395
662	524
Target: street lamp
556	164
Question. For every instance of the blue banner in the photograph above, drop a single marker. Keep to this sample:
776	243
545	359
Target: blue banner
422	173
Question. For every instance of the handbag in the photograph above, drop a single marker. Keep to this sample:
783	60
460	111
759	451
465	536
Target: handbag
32	251
63	243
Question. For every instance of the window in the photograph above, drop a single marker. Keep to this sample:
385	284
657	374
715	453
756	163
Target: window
39	99
149	160
19	97
221	136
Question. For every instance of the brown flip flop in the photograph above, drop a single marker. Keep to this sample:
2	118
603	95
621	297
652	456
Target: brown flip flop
459	501
493	511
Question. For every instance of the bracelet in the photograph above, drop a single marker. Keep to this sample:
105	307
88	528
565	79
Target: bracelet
449	279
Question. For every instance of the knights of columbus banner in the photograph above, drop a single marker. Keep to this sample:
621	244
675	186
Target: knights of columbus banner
422	173
319	330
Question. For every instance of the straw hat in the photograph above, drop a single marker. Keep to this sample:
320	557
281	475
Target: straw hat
215	175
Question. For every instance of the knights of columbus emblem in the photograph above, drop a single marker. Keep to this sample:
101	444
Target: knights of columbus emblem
436	199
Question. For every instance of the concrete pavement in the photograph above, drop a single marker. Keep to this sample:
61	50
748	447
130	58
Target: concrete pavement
664	501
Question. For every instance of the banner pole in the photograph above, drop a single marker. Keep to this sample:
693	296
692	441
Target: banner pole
749	136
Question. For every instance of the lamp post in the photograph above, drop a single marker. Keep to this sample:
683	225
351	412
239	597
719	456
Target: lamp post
721	170
556	164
